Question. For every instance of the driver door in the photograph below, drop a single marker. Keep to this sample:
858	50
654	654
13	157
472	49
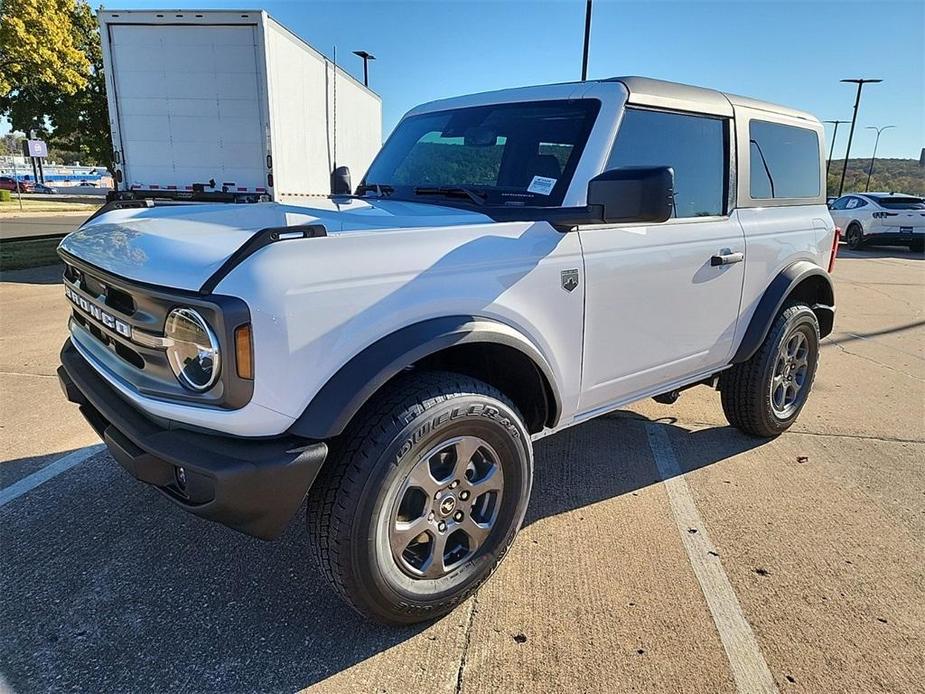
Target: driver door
658	309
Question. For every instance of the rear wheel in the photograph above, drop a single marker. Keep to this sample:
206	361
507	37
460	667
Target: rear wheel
424	499
854	237
764	395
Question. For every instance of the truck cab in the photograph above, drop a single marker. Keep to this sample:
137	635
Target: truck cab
511	264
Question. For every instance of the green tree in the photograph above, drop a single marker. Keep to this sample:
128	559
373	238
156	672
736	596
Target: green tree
889	175
75	122
38	48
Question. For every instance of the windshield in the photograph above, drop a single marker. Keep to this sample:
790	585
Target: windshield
898	203
501	154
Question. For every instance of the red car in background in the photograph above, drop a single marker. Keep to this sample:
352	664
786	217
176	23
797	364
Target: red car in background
9	183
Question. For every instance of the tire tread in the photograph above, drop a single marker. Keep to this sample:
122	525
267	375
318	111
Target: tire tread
741	387
333	497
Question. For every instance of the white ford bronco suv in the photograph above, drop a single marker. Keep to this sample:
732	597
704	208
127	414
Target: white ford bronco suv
513	263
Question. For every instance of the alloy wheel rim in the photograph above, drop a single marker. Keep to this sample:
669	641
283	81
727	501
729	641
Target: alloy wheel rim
447	507
788	380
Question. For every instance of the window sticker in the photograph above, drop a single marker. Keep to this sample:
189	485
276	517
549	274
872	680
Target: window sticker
541	185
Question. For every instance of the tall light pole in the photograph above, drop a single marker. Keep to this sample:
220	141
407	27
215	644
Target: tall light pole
857	102
836	123
584	59
870	169
366	58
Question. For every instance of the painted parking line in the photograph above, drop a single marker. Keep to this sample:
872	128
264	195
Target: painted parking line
27	484
748	666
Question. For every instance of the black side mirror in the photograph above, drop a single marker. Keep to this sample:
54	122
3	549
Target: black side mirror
638	194
340	181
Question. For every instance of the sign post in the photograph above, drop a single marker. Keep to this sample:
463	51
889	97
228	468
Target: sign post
18	187
36	150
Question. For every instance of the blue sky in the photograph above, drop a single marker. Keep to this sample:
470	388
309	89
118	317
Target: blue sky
791	53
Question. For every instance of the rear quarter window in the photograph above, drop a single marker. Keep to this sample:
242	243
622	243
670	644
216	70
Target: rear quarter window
784	161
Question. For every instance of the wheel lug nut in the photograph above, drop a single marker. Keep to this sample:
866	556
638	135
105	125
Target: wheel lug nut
454	484
441	526
458	516
464	495
430	516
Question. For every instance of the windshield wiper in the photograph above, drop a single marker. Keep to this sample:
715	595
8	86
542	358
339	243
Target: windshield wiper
380	190
477	197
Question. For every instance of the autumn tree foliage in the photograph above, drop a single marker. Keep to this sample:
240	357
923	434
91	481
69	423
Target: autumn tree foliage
38	47
65	104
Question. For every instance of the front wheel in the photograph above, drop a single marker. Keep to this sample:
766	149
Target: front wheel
424	499
764	395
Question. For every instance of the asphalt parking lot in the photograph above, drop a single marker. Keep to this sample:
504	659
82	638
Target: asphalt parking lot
663	551
34	226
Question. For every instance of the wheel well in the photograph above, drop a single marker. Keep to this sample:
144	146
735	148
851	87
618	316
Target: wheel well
816	292
507	369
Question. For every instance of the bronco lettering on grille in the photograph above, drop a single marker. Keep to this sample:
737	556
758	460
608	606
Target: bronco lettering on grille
94	311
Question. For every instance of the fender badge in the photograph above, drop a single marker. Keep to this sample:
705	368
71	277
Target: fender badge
569	280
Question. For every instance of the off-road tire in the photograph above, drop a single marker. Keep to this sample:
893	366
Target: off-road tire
349	500
854	237
745	389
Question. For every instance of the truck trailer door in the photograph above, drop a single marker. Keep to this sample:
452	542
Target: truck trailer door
188	106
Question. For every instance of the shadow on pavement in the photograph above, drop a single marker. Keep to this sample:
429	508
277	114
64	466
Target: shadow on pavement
108	587
569	473
902	252
850	337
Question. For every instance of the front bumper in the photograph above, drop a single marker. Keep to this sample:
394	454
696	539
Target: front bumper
254	486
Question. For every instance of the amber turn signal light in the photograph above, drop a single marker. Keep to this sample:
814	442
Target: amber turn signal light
244	351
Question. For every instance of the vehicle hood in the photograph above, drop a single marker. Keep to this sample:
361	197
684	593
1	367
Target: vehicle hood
181	246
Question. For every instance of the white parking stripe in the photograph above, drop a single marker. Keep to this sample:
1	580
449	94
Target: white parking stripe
27	484
749	668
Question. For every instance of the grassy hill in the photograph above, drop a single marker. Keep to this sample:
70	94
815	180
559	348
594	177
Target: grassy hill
891	175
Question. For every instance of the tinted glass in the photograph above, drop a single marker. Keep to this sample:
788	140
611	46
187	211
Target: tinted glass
840	204
510	154
898	203
784	161
694	146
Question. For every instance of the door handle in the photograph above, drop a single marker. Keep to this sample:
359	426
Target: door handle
726	257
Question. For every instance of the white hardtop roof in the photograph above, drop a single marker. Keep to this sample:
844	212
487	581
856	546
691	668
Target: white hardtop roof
642	91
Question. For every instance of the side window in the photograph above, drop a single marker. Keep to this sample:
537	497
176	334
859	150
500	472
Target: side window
784	161
861	202
852	203
694	146
840	204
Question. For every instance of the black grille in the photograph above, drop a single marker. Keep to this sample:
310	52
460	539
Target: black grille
145	308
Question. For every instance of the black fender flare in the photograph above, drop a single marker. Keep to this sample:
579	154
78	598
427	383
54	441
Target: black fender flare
342	396
782	286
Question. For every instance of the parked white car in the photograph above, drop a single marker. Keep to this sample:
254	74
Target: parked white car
891	219
513	263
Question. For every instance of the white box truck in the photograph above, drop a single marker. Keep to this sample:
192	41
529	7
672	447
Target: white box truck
229	105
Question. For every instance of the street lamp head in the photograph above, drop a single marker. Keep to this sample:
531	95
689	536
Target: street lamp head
364	55
860	81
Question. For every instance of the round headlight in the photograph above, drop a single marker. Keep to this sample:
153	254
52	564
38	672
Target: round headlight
194	354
